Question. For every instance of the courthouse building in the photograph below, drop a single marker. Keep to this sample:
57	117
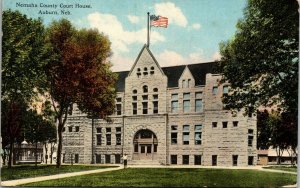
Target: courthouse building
170	116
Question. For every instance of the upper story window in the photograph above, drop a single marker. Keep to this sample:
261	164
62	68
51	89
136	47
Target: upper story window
134	91
119	109
155	90
235	123
215	90
189	83
145	71
145	89
225	89
198	95
186	135
174	103
119	99
134	98
198	134
152	70
174	134
138	73
186	102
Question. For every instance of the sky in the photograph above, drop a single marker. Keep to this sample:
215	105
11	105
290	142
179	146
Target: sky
195	30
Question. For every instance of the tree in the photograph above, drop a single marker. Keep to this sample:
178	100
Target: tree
79	74
261	61
22	70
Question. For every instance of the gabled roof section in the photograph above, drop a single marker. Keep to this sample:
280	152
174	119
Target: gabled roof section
145	47
186	70
198	71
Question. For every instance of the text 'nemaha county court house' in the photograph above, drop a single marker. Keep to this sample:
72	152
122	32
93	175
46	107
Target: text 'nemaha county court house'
172	115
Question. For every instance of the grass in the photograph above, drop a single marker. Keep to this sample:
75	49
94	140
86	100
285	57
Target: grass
284	168
168	177
29	171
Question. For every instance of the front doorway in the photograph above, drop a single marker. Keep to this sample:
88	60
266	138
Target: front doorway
145	145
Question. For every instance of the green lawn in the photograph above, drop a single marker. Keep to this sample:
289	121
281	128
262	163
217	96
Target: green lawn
168	177
284	168
27	171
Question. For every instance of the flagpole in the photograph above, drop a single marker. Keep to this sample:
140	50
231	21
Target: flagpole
148	27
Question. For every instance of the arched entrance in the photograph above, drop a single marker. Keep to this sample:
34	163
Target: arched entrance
145	145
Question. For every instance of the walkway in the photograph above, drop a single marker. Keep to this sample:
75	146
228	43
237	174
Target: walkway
59	176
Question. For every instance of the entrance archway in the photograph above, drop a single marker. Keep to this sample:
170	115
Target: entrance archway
145	145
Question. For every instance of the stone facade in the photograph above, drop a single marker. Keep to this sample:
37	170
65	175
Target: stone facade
171	115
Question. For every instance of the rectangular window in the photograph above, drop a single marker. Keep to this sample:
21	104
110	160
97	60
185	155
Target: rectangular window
234	160
108	139
235	123
215	90
119	109
173	138
250	140
77	129
134	108
198	95
173	159
197	159
214	124
155	97
70	129
250	131
98	158
174	96
136	148
225	89
107	159
183	84
224	123
174	106
117	158
198	105
250	160
186	96
198	134
185	159
186	106
118	129
155	107
145	97
186	135
214	160
76	158
145	108
174	128
134	98
118	139
98	139
98	129
119	99
108	130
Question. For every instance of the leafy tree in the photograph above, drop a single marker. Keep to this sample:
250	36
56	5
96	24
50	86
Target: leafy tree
23	60
79	73
261	61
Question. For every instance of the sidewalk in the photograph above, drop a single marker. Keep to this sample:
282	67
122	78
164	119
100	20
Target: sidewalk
57	176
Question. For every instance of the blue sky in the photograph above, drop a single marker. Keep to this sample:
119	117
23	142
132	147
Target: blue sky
196	27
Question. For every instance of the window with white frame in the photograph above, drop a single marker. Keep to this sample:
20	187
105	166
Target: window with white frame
198	134
186	135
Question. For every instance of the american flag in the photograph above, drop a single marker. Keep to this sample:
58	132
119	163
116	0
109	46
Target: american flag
159	21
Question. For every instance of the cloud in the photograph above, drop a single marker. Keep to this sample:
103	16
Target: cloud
119	37
216	56
121	63
133	19
171	11
171	58
196	26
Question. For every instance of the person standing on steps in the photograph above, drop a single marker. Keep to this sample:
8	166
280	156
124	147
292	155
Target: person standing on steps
125	160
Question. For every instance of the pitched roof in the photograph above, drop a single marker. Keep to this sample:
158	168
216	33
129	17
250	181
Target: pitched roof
173	73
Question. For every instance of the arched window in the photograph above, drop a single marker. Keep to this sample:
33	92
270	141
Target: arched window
145	71
134	91
152	70
155	90
145	89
